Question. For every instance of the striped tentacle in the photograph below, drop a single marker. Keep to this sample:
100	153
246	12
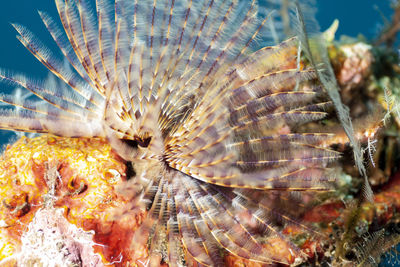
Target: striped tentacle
275	206
270	123
258	107
63	44
224	226
274	154
181	89
46	58
58	104
305	138
105	38
269	59
208	33
144	232
28	121
188	222
257	218
268	83
90	36
39	107
54	95
292	178
174	250
200	151
248	23
76	32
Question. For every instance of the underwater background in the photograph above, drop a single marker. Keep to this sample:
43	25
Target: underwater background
355	17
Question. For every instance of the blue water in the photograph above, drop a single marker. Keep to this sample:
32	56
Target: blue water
356	16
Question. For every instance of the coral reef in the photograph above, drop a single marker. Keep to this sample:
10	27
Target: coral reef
75	181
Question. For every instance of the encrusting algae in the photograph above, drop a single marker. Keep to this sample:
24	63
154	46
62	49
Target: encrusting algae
78	176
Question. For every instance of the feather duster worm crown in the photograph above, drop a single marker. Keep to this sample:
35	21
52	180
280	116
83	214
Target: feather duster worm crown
175	88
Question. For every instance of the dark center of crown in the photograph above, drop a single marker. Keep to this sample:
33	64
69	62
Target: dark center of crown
138	141
143	142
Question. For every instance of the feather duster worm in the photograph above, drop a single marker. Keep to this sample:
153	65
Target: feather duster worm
176	88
